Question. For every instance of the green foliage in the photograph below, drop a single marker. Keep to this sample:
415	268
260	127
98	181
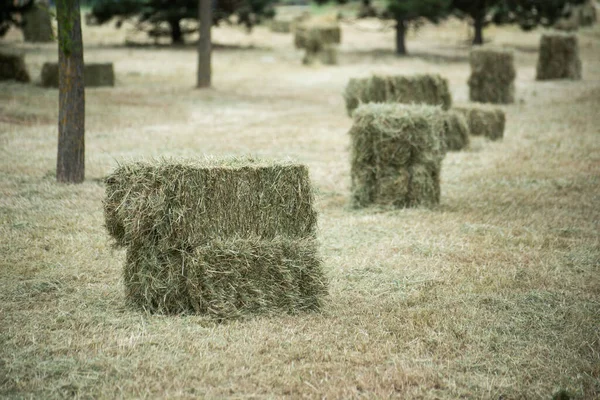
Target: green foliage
66	14
8	10
410	10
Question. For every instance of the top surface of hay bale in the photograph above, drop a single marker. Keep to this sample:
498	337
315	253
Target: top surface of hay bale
492	76
415	89
94	74
190	202
559	57
12	66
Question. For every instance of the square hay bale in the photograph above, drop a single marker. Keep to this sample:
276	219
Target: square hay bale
223	238
456	130
37	25
309	34
12	67
484	121
281	26
396	156
415	89
492	76
182	204
227	277
94	74
559	57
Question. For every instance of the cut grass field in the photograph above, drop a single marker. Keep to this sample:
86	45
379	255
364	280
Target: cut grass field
495	293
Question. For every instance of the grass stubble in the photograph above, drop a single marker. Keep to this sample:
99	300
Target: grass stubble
492	293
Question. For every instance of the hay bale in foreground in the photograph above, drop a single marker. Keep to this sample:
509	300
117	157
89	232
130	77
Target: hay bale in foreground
396	156
484	121
417	89
37	25
218	237
12	67
456	130
559	57
94	74
492	76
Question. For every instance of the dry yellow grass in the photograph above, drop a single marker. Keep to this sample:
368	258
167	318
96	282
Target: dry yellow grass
492	294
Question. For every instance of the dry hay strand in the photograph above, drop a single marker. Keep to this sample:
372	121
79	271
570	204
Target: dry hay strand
317	33
559	57
397	153
12	67
416	89
94	75
37	25
456	130
227	277
484	121
492	76
224	237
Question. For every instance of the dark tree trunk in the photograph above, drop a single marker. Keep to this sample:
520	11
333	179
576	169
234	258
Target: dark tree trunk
176	34
401	37
204	44
478	20
70	165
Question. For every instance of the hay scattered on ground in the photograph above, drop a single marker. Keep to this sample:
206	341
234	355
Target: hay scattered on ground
12	67
484	121
397	153
456	130
492	76
221	237
37	25
415	89
559	57
94	74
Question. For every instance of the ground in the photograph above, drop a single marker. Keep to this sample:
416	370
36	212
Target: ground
492	294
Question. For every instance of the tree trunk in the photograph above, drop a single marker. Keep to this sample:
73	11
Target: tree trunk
204	44
176	34
70	165
401	37
478	25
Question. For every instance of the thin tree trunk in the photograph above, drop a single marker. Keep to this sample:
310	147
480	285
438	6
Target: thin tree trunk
401	37
204	44
176	34
478	24
70	165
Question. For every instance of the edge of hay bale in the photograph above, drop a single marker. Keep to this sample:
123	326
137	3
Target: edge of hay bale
492	76
559	57
486	121
12	67
431	89
396	156
456	130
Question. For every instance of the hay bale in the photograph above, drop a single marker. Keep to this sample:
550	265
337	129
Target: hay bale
484	121
308	34
456	130
224	238
492	76
559	57
281	26
94	74
417	89
396	156
37	25
326	55
579	16
12	67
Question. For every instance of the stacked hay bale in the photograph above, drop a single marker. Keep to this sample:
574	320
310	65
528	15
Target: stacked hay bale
12	67
319	39
418	89
94	74
456	130
397	152
224	238
37	25
559	57
492	76
484	121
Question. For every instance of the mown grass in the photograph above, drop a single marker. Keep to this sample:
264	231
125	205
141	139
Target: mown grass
492	294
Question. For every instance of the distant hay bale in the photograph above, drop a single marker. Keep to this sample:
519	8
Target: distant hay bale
37	25
456	130
218	237
579	16
396	156
309	33
492	76
559	57
417	89
326	55
484	121
281	26
12	67
94	74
